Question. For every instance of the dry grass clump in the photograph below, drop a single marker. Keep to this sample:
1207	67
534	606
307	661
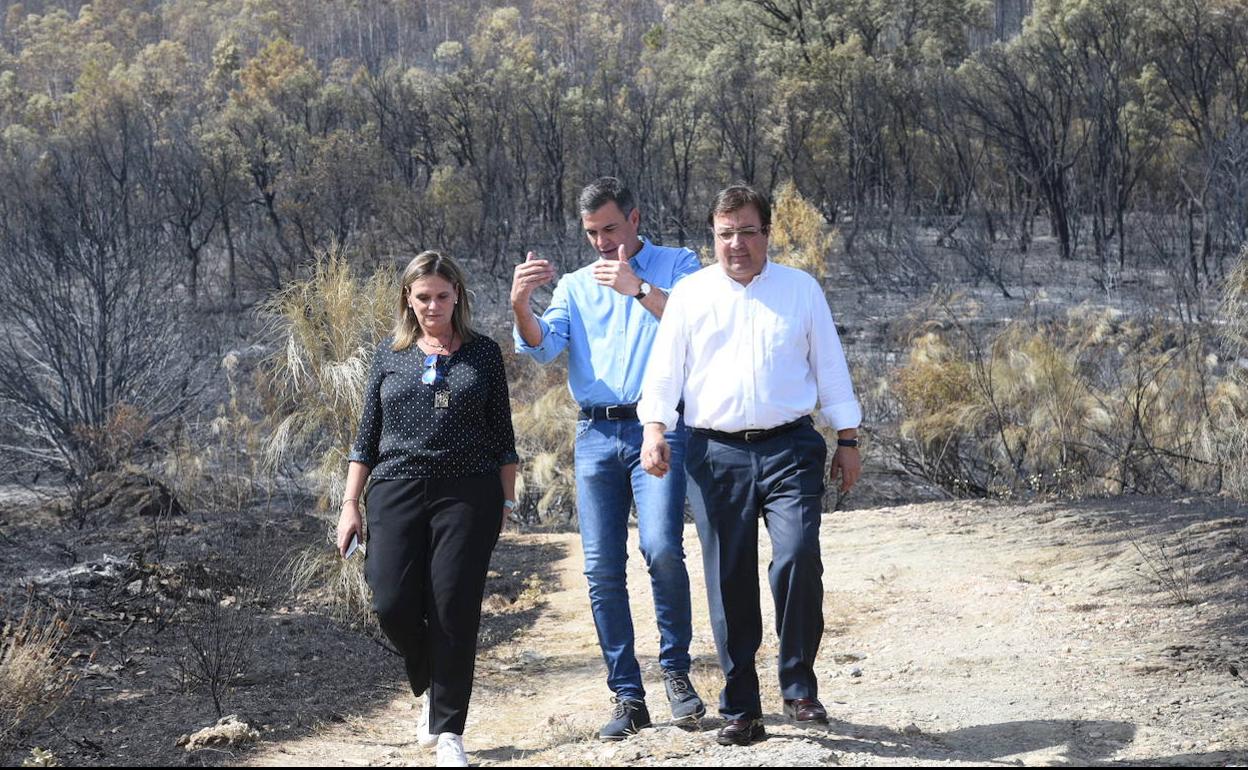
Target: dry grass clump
1234	310
707	677
1234	314
798	238
338	582
544	416
41	758
35	675
1093	404
327	328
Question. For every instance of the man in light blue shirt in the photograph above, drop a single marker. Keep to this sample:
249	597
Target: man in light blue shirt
606	315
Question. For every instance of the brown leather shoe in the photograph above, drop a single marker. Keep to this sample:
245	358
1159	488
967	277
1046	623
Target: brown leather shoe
741	732
802	710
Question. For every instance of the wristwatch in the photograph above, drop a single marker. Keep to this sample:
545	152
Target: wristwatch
643	291
847	442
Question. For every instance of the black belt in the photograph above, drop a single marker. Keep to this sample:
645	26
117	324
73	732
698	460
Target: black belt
751	436
617	412
612	412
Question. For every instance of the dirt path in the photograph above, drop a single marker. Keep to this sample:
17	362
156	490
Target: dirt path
958	633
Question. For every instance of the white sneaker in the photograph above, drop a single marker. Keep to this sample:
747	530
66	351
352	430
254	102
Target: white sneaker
451	751
424	738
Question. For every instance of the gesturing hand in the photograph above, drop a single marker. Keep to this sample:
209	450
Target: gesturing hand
528	275
618	274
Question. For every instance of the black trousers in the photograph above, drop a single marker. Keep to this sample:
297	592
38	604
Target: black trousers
732	484
429	545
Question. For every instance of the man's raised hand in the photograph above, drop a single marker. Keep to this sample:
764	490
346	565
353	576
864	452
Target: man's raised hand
618	274
530	274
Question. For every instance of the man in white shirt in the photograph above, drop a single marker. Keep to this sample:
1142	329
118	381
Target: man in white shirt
751	347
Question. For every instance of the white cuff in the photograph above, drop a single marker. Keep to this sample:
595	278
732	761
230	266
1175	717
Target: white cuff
846	414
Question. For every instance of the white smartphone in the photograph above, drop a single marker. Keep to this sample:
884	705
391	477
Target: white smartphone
353	546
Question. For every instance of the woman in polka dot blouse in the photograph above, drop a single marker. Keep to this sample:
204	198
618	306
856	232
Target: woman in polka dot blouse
436	441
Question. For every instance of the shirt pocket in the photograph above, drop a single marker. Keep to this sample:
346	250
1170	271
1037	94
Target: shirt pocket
783	341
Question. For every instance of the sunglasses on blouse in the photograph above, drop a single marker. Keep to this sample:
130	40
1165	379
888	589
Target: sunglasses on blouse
433	373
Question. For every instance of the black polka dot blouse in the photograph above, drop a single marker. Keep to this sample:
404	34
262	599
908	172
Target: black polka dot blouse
458	426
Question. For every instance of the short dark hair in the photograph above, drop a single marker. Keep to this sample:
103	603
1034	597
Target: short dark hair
604	190
738	196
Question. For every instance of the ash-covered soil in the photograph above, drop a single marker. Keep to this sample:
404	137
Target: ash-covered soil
145	596
958	633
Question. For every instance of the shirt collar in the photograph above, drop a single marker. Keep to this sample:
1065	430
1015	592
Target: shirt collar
641	260
766	271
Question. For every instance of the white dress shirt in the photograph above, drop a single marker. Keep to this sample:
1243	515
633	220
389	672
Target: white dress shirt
748	357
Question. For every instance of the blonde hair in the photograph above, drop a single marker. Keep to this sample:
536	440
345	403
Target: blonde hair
406	325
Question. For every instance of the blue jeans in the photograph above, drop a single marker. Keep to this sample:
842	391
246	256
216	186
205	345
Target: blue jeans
609	478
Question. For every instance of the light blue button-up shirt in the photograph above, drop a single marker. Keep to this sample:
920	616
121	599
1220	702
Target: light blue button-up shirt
608	335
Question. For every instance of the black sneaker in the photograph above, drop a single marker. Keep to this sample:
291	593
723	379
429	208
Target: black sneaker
627	718
687	707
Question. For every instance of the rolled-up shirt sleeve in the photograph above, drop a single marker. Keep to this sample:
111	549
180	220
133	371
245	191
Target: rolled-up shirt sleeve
664	381
554	324
367	445
837	404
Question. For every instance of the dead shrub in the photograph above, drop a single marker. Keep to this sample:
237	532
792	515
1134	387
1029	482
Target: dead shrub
217	645
218	627
109	460
1234	310
218	465
983	256
125	491
1234	316
35	674
118	439
1172	570
888	252
1090	404
799	237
